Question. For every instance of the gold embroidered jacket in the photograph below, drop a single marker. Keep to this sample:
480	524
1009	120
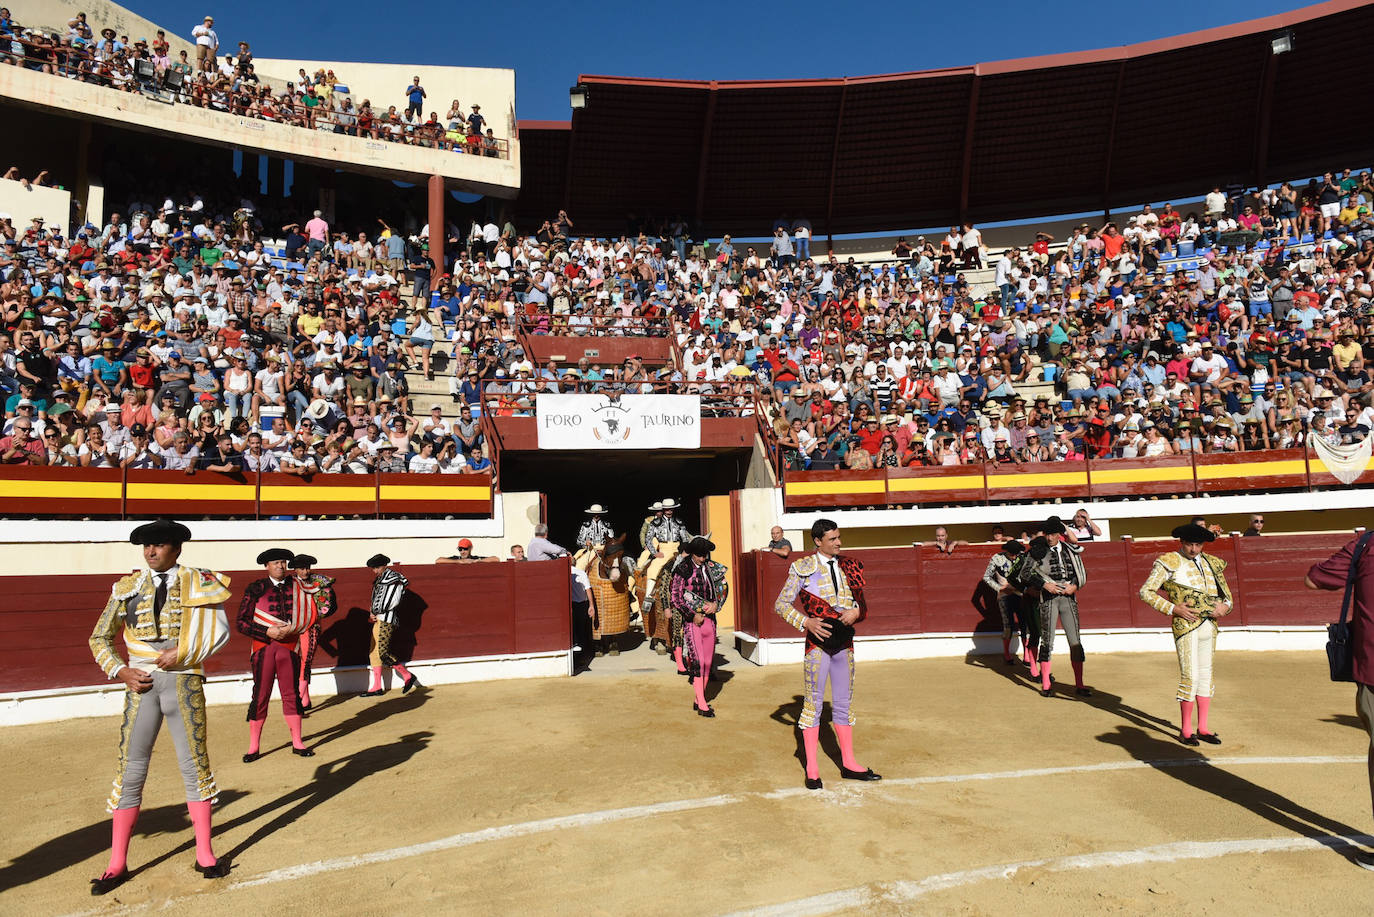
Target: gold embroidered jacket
193	615
1197	587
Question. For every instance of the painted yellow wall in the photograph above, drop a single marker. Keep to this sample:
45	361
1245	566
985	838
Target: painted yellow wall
717	522
520	512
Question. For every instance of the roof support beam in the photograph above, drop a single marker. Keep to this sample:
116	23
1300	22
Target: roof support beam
834	165
1111	143
709	123
970	127
568	172
1263	119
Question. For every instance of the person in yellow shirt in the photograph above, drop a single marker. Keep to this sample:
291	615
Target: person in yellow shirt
1346	351
309	322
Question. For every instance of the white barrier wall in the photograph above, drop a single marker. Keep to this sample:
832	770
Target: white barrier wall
22	203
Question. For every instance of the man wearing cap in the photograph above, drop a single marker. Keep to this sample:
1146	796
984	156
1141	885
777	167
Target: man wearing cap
1008	599
271	617
465	555
315	593
823	598
1056	570
698	587
388	590
1190	587
172	619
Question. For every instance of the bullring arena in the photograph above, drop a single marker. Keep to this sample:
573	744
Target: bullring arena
599	795
456	510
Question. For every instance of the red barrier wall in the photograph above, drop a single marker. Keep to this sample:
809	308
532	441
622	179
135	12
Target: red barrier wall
57	492
921	591
451	611
1194	475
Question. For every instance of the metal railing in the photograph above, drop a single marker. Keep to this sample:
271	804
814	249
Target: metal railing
580	326
520	398
177	87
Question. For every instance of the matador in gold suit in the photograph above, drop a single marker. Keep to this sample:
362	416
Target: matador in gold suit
172	619
1190	586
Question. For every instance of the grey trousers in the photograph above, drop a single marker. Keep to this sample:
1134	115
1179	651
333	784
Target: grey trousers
1065	609
1364	706
180	701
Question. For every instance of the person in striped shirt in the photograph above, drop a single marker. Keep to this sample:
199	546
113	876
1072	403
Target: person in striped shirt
388	590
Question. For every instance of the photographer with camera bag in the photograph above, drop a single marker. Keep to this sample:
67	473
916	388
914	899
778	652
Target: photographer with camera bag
1351	650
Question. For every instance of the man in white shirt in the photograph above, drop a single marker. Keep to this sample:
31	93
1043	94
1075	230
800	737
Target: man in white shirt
207	44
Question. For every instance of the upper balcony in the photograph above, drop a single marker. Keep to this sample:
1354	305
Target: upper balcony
497	175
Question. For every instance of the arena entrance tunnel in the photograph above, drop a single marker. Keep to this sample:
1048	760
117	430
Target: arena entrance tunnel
625	483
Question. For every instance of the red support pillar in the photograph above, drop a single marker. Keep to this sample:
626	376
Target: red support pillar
438	227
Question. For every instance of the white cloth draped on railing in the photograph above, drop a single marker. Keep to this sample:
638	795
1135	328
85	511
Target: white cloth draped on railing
1345	462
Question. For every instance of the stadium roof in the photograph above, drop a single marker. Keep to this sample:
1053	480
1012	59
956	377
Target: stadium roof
1015	139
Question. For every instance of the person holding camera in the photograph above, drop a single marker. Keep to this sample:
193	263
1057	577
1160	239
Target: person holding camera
823	598
1190	587
1352	566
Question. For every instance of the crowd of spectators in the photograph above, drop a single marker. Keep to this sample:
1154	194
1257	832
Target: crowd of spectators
172	339
1263	339
179	322
230	83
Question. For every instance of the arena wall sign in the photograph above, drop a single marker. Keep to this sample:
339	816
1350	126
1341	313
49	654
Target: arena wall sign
619	422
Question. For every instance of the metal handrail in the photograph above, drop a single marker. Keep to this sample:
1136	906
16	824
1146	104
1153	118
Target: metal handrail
68	62
546	324
725	399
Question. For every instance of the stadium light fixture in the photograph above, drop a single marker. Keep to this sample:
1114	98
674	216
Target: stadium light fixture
577	96
1282	43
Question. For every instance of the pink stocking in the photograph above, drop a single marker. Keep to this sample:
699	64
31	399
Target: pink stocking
1045	674
122	830
699	684
845	736
1204	706
677	657
1186	707
1077	672
376	678
293	723
400	667
200	820
811	740
254	735
304	690
1006	648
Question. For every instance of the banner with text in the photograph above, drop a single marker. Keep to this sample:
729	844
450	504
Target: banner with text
619	421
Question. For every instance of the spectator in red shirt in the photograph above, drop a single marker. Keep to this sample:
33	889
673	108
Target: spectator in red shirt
23	448
142	370
870	437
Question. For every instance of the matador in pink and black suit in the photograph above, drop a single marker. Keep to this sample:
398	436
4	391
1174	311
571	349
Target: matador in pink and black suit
266	616
823	598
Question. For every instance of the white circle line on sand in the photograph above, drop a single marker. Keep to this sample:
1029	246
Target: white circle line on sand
900	893
607	816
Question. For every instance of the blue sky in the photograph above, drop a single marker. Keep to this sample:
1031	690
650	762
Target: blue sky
549	44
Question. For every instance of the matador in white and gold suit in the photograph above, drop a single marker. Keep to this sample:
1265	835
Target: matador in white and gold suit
1190	586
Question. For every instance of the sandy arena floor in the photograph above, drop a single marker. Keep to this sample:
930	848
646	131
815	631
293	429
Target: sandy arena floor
606	795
